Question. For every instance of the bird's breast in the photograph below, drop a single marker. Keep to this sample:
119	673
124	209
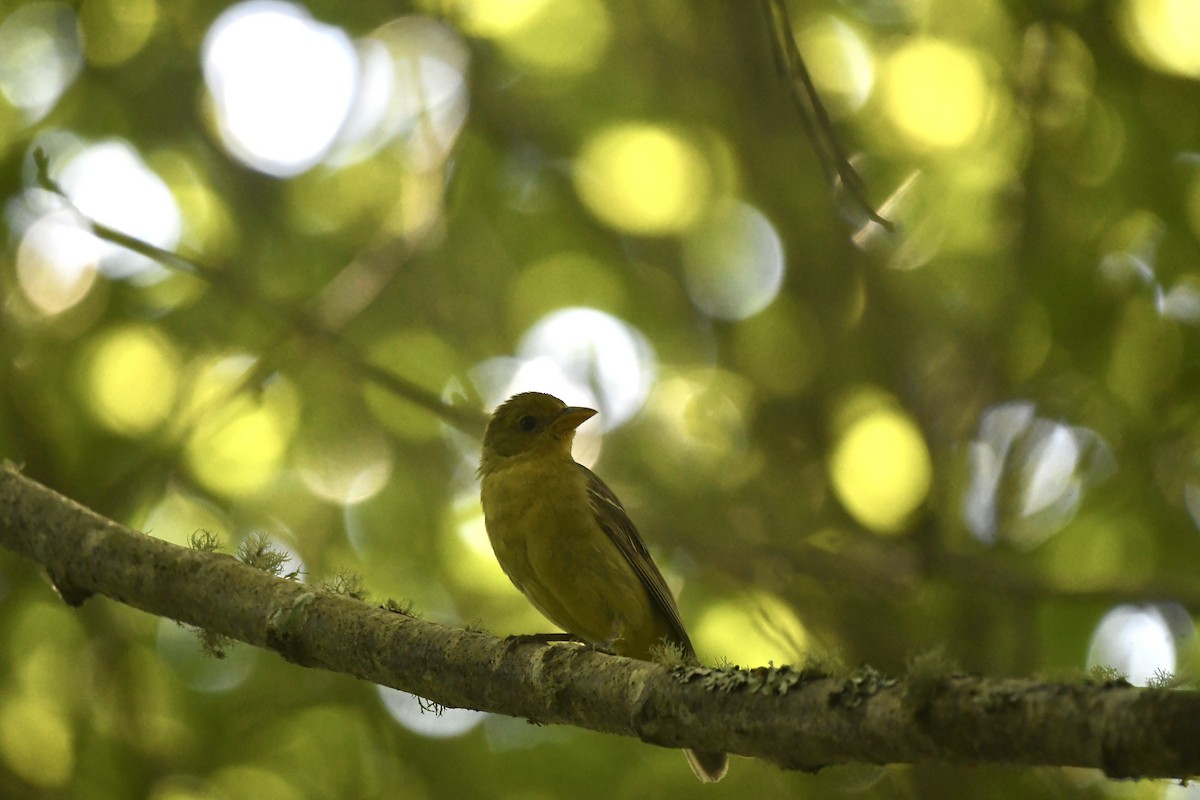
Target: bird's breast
525	505
550	545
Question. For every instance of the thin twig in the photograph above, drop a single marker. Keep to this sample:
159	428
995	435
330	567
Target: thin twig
294	321
814	118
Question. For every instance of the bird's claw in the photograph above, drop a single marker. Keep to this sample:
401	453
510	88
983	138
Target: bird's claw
608	646
515	640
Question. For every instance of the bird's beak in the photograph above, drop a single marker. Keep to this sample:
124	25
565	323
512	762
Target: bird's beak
571	418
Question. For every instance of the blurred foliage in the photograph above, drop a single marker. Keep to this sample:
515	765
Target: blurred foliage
979	434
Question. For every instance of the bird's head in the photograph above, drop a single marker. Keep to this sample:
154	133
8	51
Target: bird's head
530	423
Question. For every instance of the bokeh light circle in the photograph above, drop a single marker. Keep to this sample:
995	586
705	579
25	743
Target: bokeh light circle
281	84
733	262
40	56
881	469
412	90
130	379
111	184
643	179
426	719
1135	640
596	350
1165	34
935	93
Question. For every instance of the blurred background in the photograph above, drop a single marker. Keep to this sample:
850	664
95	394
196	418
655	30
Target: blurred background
979	433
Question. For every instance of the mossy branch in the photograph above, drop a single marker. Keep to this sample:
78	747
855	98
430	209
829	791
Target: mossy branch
794	718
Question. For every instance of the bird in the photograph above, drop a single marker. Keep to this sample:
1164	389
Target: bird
566	542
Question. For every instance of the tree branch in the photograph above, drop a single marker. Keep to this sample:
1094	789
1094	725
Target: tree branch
293	323
814	118
796	719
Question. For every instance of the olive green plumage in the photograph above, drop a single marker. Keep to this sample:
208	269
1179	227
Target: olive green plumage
564	539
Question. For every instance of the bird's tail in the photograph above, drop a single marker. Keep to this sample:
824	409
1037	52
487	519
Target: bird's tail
709	767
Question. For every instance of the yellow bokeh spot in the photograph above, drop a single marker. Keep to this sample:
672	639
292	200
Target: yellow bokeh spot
36	743
116	30
1165	33
880	468
553	38
493	19
561	39
240	437
841	64
935	94
643	179
130	379
751	630
176	516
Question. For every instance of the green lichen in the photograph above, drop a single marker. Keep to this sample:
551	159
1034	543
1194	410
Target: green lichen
346	584
932	664
824	664
928	671
1163	679
773	680
211	643
1107	676
669	654
768	680
257	552
861	685
204	541
403	607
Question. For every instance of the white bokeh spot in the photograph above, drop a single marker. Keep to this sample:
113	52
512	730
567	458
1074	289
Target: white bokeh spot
282	84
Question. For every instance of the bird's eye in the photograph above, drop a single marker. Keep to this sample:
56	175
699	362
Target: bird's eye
527	423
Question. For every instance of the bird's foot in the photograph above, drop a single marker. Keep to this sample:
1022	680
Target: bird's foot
518	639
608	646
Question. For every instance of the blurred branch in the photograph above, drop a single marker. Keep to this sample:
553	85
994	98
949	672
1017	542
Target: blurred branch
890	569
814	118
796	719
291	320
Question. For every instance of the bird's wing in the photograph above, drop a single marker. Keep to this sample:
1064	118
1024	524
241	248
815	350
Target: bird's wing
620	529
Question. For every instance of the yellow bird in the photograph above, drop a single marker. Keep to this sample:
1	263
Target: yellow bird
563	538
